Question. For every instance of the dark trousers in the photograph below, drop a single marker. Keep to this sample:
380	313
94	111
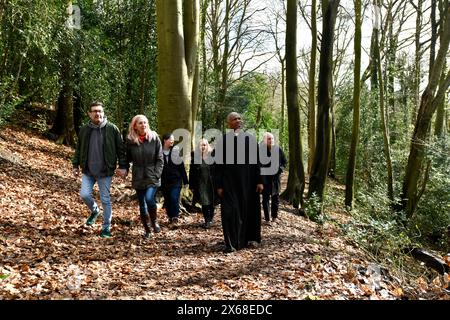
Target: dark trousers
172	201
275	201
208	212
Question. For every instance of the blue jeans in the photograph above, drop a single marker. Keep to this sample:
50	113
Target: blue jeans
104	184
172	201
146	199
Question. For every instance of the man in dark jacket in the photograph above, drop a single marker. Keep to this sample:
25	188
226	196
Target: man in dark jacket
99	147
238	183
272	182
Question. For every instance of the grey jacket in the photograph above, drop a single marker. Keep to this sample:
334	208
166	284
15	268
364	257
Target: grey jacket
147	162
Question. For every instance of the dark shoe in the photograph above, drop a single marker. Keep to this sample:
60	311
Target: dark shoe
274	220
147	235
253	244
208	224
173	223
156	227
91	220
153	217
106	233
229	250
145	222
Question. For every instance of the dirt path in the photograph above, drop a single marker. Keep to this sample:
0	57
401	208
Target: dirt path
48	253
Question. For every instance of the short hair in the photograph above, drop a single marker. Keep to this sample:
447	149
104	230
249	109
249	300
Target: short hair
95	104
232	114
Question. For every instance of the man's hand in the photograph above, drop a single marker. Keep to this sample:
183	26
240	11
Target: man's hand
220	192
259	187
76	172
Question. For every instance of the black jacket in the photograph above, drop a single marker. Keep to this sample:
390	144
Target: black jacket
194	179
173	175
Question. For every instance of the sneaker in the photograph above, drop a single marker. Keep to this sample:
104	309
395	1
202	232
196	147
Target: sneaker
91	220
106	233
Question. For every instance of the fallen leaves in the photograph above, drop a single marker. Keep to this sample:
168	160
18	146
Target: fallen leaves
49	253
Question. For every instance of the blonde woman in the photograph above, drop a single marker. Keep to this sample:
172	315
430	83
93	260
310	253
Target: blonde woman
144	150
201	177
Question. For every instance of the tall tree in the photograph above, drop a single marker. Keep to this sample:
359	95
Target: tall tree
323	131
312	88
429	102
64	126
296	179
178	29
381	101
350	176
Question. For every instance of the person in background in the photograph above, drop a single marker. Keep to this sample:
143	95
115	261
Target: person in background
238	183
144	151
172	179
99	148
272	183
201	176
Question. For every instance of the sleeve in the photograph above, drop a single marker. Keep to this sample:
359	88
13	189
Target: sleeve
121	150
283	161
191	172
159	162
183	174
259	176
219	169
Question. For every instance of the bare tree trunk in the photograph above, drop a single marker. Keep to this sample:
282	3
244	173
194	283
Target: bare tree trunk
312	89
63	125
350	176
323	134
428	106
202	93
283	98
417	58
439	128
177	27
296	180
384	126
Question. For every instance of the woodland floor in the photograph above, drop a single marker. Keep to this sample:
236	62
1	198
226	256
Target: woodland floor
47	252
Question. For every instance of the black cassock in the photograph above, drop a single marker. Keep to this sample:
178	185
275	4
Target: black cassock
237	173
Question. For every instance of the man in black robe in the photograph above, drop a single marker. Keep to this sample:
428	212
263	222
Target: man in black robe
239	183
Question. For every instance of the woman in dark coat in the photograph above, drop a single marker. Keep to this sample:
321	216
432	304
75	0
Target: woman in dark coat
144	150
201	175
173	177
272	182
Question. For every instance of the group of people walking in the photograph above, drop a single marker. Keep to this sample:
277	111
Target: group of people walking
229	174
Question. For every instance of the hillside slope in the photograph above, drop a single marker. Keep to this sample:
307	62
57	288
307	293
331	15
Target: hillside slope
48	252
